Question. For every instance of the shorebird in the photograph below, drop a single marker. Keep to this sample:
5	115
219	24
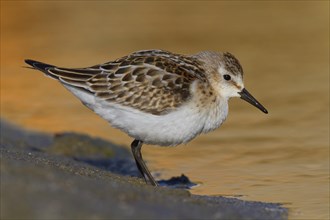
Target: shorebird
157	97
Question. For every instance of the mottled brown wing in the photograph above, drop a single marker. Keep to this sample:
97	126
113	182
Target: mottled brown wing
151	81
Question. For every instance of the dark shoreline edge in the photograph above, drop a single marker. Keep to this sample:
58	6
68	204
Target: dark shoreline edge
41	178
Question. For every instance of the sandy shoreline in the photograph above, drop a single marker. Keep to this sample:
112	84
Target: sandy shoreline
66	176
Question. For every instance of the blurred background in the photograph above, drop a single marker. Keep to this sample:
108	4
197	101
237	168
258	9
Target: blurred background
283	47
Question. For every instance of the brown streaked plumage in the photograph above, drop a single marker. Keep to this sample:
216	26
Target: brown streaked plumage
161	77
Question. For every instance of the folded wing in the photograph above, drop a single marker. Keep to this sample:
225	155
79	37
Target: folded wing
150	81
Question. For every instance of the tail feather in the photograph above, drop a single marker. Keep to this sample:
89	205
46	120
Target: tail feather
59	72
39	65
63	73
43	67
70	77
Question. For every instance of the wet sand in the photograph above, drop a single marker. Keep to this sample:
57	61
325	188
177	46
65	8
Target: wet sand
64	176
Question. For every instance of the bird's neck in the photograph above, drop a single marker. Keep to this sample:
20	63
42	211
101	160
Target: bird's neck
213	106
216	114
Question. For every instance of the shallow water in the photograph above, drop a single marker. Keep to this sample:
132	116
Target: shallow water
283	47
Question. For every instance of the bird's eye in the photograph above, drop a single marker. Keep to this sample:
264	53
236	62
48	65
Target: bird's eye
227	77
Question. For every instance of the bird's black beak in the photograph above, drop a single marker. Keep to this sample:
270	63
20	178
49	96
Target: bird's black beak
245	95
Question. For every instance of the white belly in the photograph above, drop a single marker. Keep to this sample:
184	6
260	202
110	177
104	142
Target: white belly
171	129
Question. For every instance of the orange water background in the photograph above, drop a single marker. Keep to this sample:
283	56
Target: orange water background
283	47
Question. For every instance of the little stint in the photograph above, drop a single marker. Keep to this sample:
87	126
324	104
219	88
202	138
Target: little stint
157	97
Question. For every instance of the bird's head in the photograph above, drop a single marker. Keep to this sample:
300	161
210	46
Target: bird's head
226	75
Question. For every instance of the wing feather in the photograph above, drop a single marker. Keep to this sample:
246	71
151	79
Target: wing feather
152	81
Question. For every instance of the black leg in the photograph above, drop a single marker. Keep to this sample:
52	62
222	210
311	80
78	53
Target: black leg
136	150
